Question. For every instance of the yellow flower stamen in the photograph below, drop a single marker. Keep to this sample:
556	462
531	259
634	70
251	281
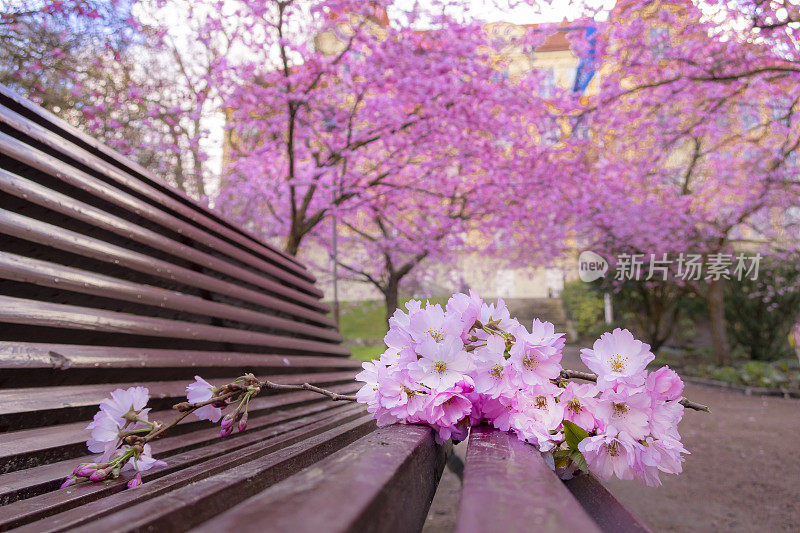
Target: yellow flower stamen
612	449
574	406
618	362
436	335
620	409
529	361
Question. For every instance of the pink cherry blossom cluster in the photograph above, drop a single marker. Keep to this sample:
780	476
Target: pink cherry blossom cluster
121	430
472	362
121	416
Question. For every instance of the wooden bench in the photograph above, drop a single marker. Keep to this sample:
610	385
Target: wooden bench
109	278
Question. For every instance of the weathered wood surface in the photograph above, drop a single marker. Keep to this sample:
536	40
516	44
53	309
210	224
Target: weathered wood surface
608	512
45	128
508	488
383	482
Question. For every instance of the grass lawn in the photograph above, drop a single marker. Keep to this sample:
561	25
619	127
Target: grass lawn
363	325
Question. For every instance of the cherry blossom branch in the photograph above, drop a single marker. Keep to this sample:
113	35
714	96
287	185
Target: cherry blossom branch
131	444
588	376
232	391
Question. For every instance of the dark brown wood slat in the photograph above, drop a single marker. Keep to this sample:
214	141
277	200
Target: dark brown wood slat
297	440
70	241
46	274
52	166
59	127
608	512
35	313
23	484
33	399
30	191
44	445
208	488
508	487
27	355
160	194
382	482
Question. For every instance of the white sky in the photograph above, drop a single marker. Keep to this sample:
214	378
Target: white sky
525	14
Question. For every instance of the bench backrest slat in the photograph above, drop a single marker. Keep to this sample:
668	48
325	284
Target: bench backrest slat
80	146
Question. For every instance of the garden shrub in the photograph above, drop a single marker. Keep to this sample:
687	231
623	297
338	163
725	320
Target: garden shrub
584	305
761	312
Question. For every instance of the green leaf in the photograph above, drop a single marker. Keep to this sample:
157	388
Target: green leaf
560	458
579	460
573	434
561	454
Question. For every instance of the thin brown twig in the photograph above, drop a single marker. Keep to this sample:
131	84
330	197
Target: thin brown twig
309	387
588	376
186	409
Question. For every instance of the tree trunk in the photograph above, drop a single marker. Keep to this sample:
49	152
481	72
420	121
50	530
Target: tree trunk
292	245
391	296
719	333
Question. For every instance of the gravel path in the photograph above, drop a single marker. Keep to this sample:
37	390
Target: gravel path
743	473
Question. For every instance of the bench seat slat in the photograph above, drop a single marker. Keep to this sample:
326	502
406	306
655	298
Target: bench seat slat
611	515
267	448
41	445
36	313
508	487
27	270
23	355
202	491
384	481
63	239
26	483
33	399
55	167
66	139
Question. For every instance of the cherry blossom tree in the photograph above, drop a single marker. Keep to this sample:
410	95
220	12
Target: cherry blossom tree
47	47
125	71
326	125
695	136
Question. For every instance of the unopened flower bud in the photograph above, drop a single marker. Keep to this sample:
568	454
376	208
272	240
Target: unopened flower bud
220	405
84	469
71	480
243	422
100	475
226	427
136	481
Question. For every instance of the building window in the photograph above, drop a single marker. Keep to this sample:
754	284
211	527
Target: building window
749	117
793	165
548	82
658	41
580	129
551	133
781	111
